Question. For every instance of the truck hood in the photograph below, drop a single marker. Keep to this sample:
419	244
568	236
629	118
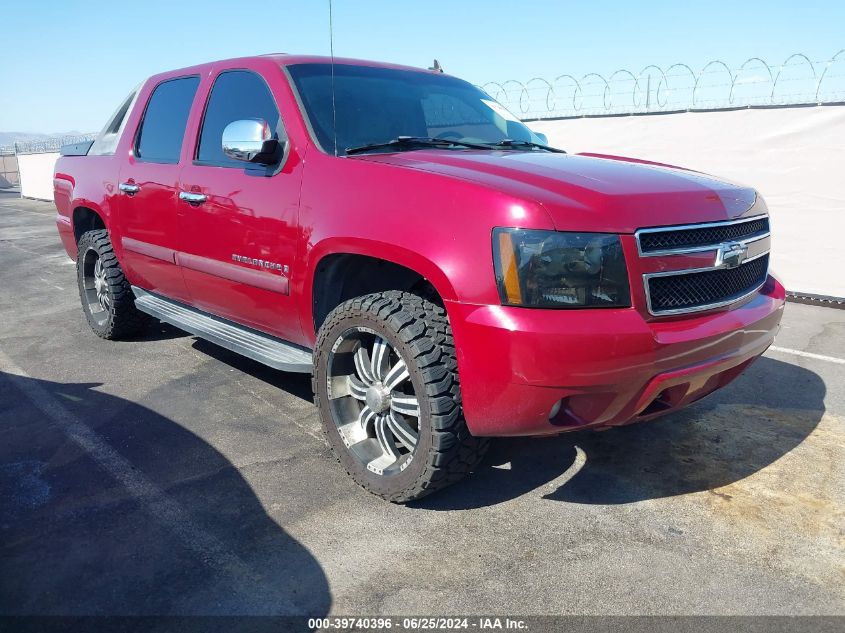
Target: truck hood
589	191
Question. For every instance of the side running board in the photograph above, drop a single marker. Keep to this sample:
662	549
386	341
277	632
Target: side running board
265	349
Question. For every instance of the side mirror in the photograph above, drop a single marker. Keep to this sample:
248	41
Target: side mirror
250	140
543	138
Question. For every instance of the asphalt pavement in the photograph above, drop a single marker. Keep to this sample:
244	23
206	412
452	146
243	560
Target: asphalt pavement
165	475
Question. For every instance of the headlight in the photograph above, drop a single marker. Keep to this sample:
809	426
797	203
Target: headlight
549	269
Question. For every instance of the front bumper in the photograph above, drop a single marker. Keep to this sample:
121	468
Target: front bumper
605	367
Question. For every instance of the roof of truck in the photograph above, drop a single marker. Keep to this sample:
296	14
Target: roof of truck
289	60
283	59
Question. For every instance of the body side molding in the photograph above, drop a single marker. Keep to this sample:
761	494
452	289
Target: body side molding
150	250
259	278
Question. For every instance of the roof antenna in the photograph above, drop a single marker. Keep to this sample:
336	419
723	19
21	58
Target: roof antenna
437	67
331	52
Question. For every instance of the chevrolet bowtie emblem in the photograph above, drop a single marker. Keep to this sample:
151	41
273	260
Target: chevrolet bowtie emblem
731	254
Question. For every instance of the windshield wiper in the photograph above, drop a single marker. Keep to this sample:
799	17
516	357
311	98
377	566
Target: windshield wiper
424	142
415	142
508	142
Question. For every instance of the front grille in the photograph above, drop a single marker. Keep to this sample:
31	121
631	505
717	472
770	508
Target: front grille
707	235
698	291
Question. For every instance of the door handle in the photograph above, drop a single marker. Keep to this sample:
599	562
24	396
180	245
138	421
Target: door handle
129	188
192	198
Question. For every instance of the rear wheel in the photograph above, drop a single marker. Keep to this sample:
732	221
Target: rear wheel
106	295
386	384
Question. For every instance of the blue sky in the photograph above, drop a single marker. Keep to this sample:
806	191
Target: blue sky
68	64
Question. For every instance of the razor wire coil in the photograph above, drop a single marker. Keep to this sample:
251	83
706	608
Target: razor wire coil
716	85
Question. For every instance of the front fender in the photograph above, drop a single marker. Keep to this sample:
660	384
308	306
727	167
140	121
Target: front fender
393	253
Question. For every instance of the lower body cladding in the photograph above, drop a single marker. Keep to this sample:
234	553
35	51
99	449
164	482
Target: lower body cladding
541	372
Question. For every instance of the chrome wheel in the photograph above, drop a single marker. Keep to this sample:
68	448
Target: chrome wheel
373	402
95	286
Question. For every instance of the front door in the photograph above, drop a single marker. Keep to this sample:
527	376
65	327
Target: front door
238	221
148	186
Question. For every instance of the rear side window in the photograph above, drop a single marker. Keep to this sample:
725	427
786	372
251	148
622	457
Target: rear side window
163	127
236	95
106	141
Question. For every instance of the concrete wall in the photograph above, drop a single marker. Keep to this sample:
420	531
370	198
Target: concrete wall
36	174
795	157
8	170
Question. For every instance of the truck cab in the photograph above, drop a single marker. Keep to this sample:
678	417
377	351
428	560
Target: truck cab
442	273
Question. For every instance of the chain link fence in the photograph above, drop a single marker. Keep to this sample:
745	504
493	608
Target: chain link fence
10	165
13	156
798	80
53	144
755	83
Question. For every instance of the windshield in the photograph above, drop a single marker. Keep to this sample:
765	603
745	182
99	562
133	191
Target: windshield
376	105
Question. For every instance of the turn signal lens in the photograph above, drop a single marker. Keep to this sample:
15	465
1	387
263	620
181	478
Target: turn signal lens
509	282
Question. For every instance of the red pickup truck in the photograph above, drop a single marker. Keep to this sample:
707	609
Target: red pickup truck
443	274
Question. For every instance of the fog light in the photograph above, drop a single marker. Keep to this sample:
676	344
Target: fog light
555	409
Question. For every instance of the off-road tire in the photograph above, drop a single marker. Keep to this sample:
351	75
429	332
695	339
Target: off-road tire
122	319
419	330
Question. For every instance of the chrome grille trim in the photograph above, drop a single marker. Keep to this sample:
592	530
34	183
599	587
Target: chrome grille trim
688	271
689	227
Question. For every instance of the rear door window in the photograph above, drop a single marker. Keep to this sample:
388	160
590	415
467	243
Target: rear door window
236	95
163	127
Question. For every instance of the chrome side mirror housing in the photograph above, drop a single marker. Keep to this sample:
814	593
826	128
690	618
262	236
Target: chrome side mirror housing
251	140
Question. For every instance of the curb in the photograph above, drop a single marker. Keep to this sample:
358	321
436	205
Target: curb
816	300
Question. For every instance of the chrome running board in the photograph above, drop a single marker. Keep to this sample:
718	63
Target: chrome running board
265	349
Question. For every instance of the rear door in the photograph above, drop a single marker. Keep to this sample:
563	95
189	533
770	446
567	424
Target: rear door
239	242
148	187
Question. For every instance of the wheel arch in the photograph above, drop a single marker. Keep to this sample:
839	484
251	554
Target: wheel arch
338	268
86	217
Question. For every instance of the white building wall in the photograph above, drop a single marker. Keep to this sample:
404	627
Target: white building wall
795	157
36	174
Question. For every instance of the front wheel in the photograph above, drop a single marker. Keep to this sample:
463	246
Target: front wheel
386	384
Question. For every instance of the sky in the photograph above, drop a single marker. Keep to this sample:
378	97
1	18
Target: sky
67	64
